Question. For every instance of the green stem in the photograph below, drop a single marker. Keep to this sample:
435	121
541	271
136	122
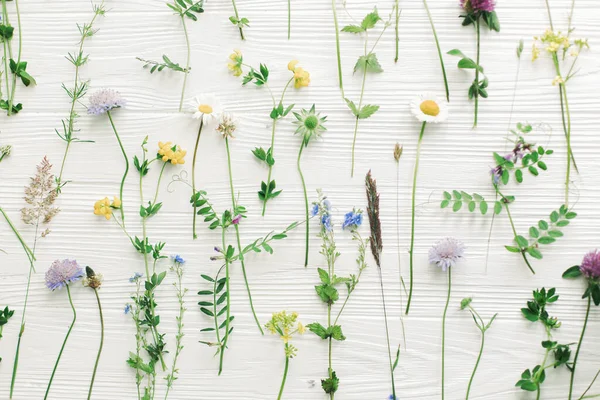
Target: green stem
264	209
101	344
549	15
583	395
514	229
285	372
14	81
330	369
476	364
239	242
160	175
539	392
439	50
121	209
568	138
444	328
396	31
187	63
587	315
305	204
337	46
362	91
412	225
194	174
228	313
387	334
478	29
289	19
64	342
237	17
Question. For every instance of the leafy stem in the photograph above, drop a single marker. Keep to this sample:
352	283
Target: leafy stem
121	209
439	50
194	176
337	46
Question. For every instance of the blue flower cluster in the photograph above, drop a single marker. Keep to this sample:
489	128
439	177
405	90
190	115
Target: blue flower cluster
352	220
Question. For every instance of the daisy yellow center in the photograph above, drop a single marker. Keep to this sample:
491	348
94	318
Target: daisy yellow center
205	109
430	107
311	122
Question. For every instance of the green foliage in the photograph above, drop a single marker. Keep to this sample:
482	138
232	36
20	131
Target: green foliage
240	23
263	243
214	305
479	86
364	112
157	66
279	111
368	22
259	77
187	8
5	315
266	156
268	190
490	18
536	308
331	384
206	210
457	199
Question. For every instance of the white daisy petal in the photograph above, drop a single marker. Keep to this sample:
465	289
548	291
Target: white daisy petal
207	107
429	108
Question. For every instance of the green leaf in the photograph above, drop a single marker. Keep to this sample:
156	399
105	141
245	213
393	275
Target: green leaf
513	249
457	206
529	315
367	111
458	53
370	20
323	275
535	253
330	385
573	272
353	29
534	232
546	240
336	333
472	206
447	196
521	241
519	175
445	203
318	330
368	63
483	207
467	63
497	207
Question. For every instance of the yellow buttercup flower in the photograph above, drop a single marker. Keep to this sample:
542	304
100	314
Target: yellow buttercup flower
104	207
301	78
168	152
235	65
292	65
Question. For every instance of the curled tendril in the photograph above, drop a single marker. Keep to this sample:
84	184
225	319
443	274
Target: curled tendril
178	178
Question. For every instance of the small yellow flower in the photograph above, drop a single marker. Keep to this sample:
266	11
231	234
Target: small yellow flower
301	328
301	78
558	80
553	47
104	207
168	152
235	65
292	65
535	52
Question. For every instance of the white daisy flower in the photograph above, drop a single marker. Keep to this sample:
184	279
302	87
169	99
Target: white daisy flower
429	108
206	107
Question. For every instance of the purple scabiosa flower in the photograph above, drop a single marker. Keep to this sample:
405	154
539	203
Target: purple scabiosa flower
236	220
135	277
178	259
326	222
61	273
590	266
314	210
352	220
446	253
104	100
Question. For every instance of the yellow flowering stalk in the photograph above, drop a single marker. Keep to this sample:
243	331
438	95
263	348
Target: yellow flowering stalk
300	78
286	326
564	52
171	153
105	207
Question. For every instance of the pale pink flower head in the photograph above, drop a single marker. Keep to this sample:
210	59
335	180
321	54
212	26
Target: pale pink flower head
590	266
478	5
446	253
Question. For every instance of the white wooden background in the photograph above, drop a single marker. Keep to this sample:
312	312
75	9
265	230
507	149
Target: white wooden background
454	156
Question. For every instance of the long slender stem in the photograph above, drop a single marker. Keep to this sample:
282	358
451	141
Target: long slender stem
305	203
121	209
587	316
362	92
101	344
237	17
337	46
412	224
289	19
397	20
330	369
583	395
514	229
194	174
549	14
285	372
439	50
387	334
568	137
444	328
239	242
14	80
478	29
64	343
476	364
228	313
187	63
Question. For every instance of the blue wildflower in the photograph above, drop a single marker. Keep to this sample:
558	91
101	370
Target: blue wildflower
392	397
135	277
326	222
352	220
127	308
178	259
315	210
327	204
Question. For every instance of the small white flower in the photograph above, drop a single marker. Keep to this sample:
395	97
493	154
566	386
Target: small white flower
446	253
429	108
206	107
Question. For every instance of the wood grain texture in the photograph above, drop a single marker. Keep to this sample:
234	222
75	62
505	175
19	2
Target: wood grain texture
454	156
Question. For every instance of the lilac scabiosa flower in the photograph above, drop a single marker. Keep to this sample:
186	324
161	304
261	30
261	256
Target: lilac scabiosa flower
590	266
61	273
178	259
104	100
446	253
352	220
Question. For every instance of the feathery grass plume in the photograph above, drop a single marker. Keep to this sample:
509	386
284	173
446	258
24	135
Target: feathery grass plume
39	210
377	248
94	281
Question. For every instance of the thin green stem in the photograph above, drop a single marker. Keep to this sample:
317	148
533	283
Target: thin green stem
187	63
397	20
194	174
387	333
362	92
585	322
444	328
514	229
583	395
237	17
330	369
239	242
571	15
305	203
64	342
160	175
476	363
101	344
337	46
285	372
228	313
478	29
439	50
121	209
549	14
289	19
14	80
412	224
568	137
